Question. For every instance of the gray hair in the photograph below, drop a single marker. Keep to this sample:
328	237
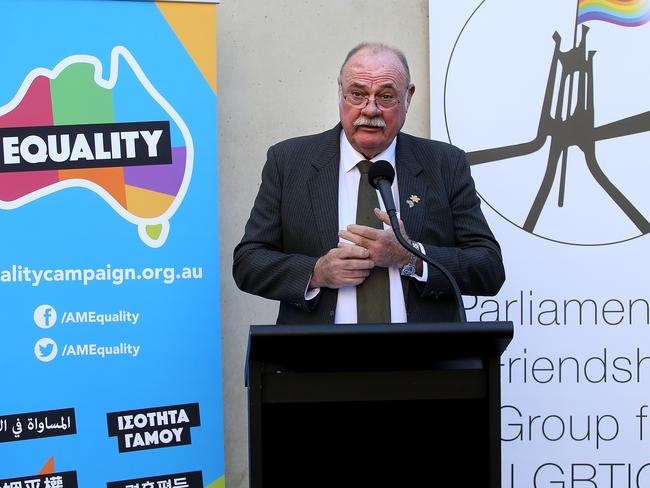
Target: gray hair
376	47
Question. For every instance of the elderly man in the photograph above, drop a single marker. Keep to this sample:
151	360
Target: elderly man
316	239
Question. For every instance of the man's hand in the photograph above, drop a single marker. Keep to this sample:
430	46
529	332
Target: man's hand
343	266
382	245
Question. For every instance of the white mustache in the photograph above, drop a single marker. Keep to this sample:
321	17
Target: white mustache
374	122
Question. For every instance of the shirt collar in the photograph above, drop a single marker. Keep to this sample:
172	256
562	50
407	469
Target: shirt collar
350	156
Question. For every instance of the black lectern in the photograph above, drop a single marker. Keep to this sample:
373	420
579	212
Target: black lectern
374	405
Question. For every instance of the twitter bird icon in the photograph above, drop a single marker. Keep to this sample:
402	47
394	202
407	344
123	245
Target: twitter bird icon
45	349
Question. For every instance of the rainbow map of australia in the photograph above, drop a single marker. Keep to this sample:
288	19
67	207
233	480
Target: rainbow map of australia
118	137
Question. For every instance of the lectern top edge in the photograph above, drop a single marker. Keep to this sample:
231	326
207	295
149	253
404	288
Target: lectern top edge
371	342
504	329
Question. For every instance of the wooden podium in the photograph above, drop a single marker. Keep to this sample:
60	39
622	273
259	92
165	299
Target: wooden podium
375	405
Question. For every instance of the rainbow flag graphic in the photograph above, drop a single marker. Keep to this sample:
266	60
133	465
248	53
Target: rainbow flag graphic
628	13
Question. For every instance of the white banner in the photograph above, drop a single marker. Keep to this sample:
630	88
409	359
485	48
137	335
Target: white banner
551	103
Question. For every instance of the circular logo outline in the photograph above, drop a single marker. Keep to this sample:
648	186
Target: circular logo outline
499	213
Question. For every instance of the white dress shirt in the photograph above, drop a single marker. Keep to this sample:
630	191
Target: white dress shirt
346	305
349	174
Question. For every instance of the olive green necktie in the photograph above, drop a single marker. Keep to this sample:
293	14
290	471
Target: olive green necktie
373	295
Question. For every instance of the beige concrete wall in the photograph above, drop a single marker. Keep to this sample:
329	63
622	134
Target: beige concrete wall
277	67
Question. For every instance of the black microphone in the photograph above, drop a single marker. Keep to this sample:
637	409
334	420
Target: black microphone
381	176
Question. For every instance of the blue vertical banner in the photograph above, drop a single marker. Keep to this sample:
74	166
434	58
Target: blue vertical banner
109	273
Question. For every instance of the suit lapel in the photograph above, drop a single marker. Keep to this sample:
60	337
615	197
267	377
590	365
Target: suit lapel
410	184
323	189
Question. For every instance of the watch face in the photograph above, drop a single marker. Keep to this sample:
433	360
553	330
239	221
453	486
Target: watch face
408	270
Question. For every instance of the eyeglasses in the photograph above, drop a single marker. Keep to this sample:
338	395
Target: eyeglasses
385	100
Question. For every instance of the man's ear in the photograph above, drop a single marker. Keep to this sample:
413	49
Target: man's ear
409	94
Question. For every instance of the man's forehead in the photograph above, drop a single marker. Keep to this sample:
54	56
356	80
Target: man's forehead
382	64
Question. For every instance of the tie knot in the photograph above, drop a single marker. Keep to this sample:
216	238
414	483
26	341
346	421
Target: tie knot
364	166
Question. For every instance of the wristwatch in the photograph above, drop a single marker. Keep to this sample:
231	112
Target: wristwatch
409	269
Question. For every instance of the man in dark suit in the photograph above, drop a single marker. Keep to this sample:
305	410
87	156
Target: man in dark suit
302	246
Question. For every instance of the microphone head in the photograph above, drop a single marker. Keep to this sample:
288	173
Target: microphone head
380	170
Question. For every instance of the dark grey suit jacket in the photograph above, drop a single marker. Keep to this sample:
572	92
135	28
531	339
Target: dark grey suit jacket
295	221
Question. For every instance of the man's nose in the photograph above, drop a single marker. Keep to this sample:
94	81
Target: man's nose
371	109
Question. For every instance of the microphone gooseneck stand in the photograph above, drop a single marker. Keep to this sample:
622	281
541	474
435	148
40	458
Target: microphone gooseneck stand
381	177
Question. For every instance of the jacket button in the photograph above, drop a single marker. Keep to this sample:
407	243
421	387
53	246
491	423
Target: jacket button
331	313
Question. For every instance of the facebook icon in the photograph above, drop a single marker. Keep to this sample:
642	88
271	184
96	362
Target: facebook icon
45	316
